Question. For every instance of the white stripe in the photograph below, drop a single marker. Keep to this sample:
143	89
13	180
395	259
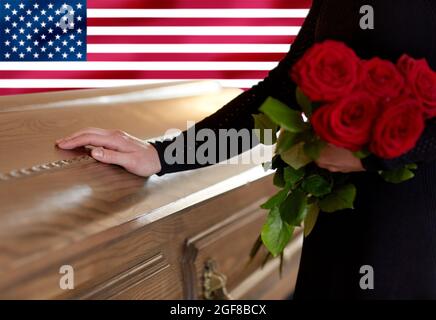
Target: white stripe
102	83
133	65
188	48
197	13
202	30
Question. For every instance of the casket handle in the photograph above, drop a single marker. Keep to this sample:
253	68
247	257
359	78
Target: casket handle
214	285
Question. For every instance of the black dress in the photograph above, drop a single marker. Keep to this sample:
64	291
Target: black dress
393	226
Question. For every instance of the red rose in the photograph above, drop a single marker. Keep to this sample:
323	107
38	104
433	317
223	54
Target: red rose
382	78
405	64
398	128
421	81
347	123
327	71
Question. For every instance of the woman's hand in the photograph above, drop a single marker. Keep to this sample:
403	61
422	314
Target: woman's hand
337	159
116	147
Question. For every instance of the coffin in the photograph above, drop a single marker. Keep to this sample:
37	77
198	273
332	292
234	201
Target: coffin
72	228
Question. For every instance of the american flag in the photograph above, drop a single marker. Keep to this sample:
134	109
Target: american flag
51	45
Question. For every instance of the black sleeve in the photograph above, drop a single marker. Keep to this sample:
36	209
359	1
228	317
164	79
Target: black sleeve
237	113
424	151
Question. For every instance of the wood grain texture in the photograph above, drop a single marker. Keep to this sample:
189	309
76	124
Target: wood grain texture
124	235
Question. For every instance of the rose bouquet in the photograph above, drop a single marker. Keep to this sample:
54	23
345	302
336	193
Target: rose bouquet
370	107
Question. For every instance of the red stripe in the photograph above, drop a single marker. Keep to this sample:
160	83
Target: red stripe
189	39
127	22
185	56
13	91
135	74
191	4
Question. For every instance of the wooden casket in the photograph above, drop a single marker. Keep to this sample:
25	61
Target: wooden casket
73	228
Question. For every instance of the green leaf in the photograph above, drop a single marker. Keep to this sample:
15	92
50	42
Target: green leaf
276	233
296	157
293	209
304	102
412	166
292	176
263	123
279	180
316	185
361	154
313	148
311	217
276	199
284	116
285	141
399	175
341	198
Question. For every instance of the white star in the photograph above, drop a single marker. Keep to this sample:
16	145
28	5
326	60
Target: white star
79	30
50	30
36	43
21	18
29	12
64	43
7	55
43	24
58	24
64	55
14	37
36	30
36	55
29	49
79	56
50	55
36	6
71	25
7	6
43	37
72	12
79	18
7	18
21	30
79	6
50	18
28	37
65	30
21	43
72	36
79	43
14	12
43	49
7	43
14	49
36	18
57	49
14	24
50	6
57	12
7	30
65	6
50	43
29	24
72	49
43	12
58	37
22	55
21	5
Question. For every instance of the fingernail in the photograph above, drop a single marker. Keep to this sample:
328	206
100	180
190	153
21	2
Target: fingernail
97	152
